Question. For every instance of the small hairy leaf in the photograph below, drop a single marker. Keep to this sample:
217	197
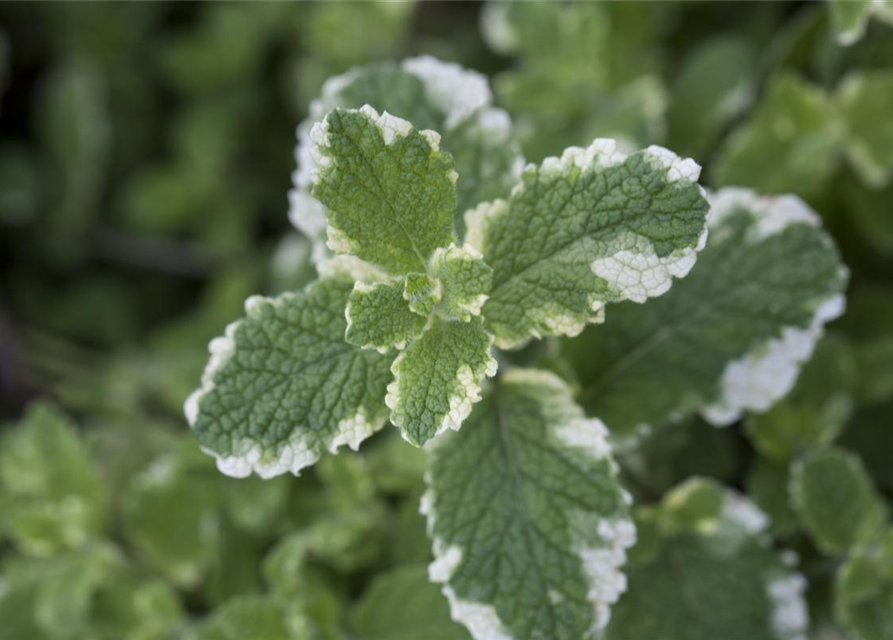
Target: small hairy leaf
836	500
437	379
704	570
379	317
388	189
422	293
283	386
732	335
528	519
591	227
466	280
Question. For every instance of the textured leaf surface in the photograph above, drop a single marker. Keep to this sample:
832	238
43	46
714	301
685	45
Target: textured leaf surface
730	336
422	293
836	500
864	591
864	102
431	94
378	316
283	386
437	379
703	570
388	189
465	278
591	227
528	519
786	146
404	605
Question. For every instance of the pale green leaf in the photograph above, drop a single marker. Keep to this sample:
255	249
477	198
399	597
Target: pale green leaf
431	94
863	100
403	604
283	386
529	522
704	570
379	317
731	336
422	293
592	227
835	499
863	591
388	189
437	379
788	145
465	279
51	487
255	617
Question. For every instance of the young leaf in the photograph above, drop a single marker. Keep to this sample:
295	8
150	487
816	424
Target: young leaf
863	591
529	522
728	338
591	227
378	316
422	293
704	570
437	379
283	386
864	100
466	280
432	95
389	190
788	145
404	605
836	500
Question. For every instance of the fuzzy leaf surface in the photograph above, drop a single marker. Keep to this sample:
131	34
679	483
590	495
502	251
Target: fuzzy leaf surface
388	189
378	316
466	280
283	386
437	379
591	227
528	519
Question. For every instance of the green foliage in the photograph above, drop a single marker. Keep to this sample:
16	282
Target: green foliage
144	152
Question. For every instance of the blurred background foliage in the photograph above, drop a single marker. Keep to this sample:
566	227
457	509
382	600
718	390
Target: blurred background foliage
145	158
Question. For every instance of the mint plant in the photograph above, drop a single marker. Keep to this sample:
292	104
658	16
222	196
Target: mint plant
465	313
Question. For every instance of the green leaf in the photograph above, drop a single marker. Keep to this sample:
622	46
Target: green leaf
869	434
704	570
403	604
835	499
863	100
422	293
388	189
767	484
246	617
815	411
863	591
283	386
379	317
529	522
591	227
437	379
432	95
732	335
849	18
51	487
466	280
788	145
